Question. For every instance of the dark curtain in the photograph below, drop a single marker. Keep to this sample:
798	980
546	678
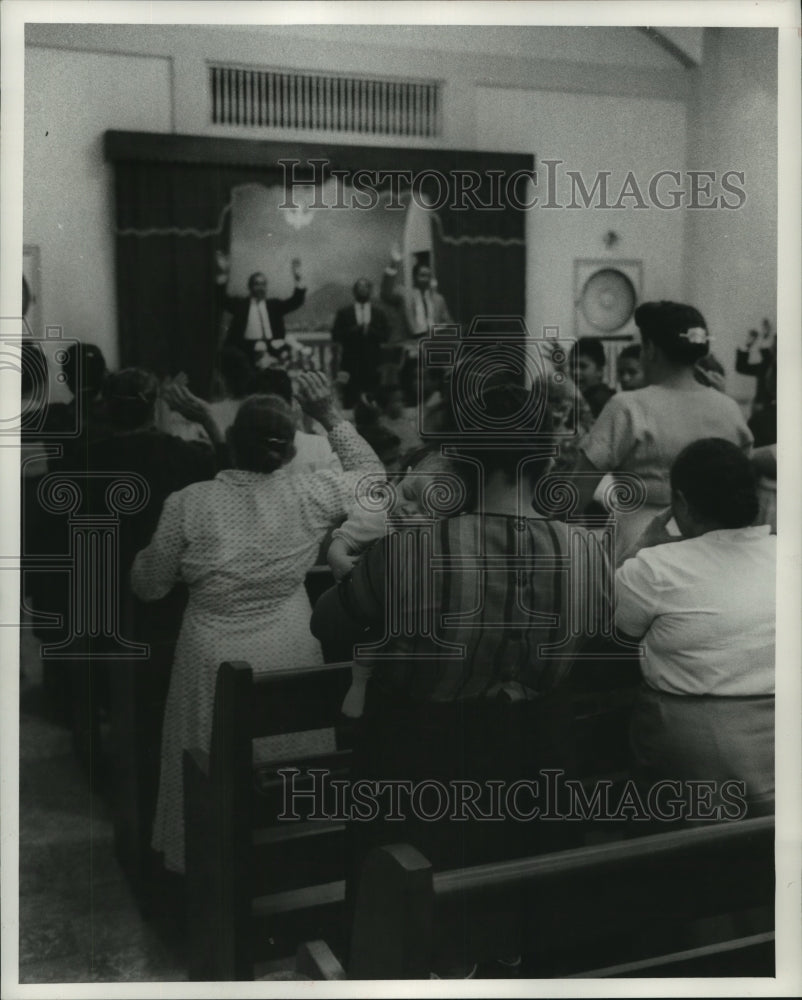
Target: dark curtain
480	254
171	195
170	222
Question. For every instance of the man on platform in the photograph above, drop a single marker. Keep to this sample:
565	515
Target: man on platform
359	332
257	323
420	306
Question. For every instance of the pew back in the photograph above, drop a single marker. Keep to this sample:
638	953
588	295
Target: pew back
237	850
632	907
258	884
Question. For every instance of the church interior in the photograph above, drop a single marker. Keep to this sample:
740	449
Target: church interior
155	158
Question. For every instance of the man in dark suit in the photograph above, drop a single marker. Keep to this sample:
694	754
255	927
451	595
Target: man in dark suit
359	332
257	323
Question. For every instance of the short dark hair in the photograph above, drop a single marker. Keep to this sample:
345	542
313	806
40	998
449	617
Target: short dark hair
505	398
256	274
262	436
88	360
666	324
130	397
237	372
718	481
590	347
630	351
274	382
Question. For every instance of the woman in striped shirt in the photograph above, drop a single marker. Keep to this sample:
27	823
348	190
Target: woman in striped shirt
467	616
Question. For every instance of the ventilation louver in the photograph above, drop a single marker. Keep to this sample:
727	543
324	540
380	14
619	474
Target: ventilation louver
258	98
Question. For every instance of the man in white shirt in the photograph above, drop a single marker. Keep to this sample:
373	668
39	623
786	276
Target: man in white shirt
257	323
703	608
421	306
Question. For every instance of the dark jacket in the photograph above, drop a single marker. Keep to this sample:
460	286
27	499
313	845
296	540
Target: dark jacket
361	349
239	308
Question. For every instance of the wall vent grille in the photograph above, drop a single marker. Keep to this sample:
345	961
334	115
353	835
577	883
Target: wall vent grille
259	98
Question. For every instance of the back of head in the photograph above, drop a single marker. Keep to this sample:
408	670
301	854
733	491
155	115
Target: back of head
263	433
679	331
718	482
590	347
237	372
630	351
84	368
506	402
274	382
130	397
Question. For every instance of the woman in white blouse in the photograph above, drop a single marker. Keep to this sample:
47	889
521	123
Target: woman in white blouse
243	543
703	608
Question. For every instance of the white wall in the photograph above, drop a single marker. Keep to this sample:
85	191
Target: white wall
732	256
71	98
606	98
591	134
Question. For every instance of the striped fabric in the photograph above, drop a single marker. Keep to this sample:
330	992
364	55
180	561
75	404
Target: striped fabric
472	602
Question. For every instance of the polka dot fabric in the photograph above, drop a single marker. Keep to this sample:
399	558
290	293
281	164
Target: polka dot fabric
243	543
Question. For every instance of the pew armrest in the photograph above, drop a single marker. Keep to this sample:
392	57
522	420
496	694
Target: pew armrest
316	960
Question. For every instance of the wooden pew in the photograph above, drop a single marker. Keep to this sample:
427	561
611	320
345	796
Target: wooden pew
258	885
692	902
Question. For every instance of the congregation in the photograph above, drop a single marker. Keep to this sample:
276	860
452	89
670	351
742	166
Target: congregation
469	604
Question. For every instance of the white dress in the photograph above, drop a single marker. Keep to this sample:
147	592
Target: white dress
243	542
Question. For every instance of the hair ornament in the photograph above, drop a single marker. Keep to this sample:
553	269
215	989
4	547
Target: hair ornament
696	335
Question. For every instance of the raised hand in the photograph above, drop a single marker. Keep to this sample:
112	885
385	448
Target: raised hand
395	254
222	261
313	391
179	398
296	268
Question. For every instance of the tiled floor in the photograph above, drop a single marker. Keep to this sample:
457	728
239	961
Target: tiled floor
78	921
